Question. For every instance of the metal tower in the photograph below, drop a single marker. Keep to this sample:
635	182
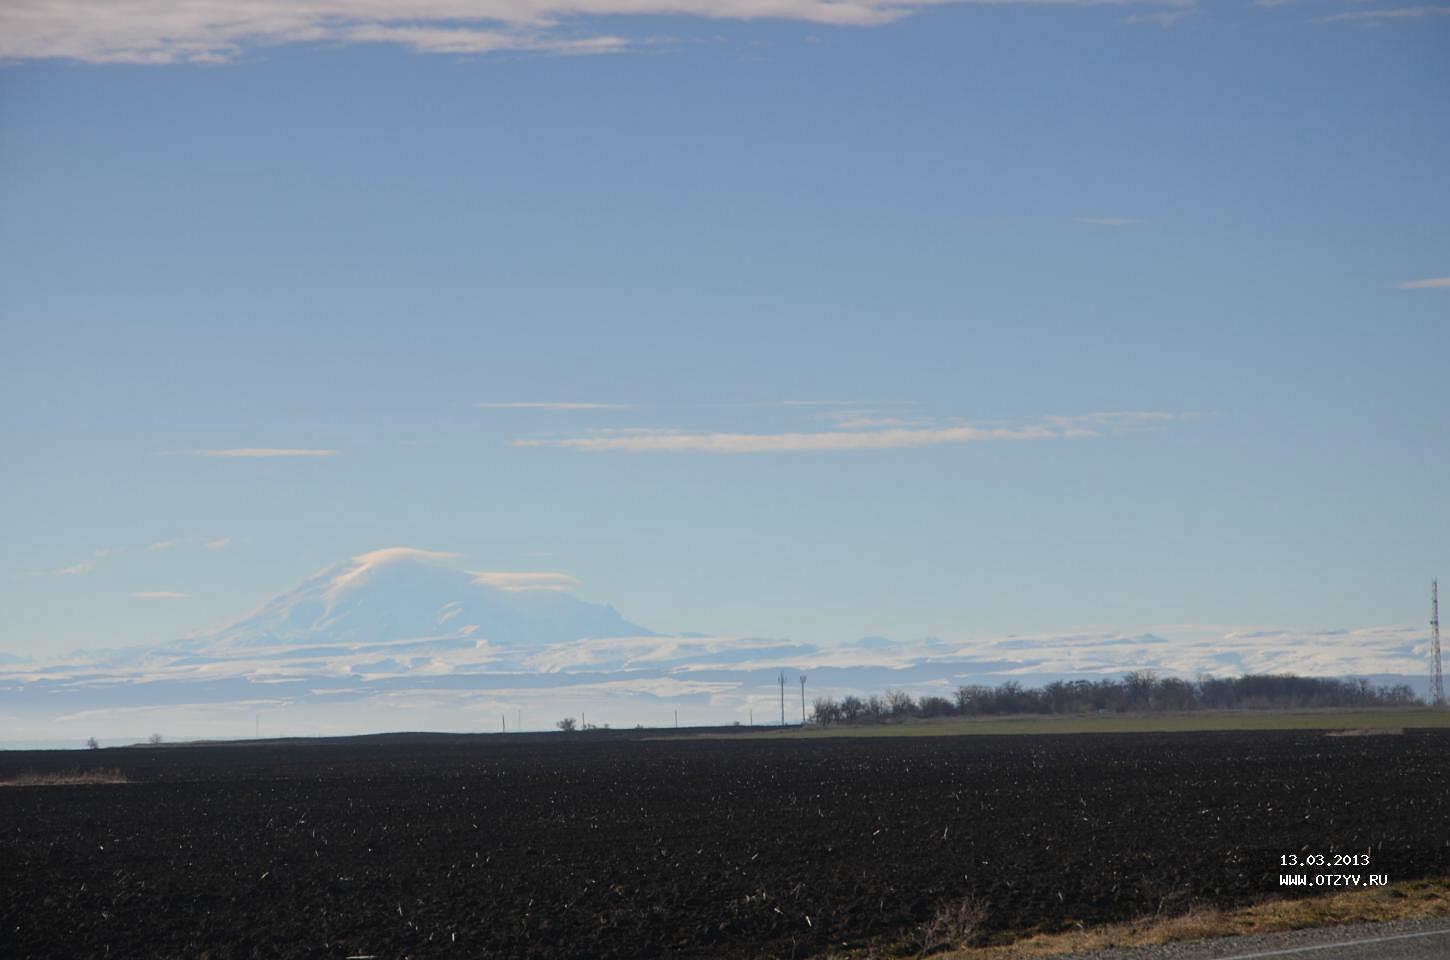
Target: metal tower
782	698
1438	690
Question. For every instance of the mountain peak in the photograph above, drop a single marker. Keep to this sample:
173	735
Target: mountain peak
403	593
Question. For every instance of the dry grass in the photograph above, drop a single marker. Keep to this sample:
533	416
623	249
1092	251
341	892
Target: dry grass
65	779
956	925
1409	900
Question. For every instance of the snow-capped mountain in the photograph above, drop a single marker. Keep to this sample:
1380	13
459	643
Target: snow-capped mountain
403	594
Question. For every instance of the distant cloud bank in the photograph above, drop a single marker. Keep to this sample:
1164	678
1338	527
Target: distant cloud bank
404	639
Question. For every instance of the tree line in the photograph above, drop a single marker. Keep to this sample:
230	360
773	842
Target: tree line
1137	692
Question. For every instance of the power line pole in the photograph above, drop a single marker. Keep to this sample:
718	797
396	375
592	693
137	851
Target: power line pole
782	698
803	699
1438	691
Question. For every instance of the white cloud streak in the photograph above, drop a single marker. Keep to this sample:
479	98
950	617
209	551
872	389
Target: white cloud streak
1430	283
858	423
531	405
213	31
818	442
207	542
248	453
801	403
1161	18
840	440
160	595
86	566
460	41
1396	13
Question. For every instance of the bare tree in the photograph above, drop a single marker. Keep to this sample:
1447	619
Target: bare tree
93	744
826	711
568	724
899	703
154	739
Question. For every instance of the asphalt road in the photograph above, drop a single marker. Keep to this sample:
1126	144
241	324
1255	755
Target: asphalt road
1398	940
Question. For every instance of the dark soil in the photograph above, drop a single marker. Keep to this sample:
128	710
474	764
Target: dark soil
615	847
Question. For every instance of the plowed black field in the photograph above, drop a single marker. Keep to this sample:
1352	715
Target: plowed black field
555	847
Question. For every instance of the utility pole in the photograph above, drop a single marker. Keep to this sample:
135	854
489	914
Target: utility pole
782	698
1438	691
505	723
803	699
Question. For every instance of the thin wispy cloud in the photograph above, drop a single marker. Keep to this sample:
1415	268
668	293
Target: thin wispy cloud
860	423
461	41
1430	283
800	403
160	595
563	405
1113	421
840	440
86	566
216	31
207	542
1160	18
250	453
1393	13
816	442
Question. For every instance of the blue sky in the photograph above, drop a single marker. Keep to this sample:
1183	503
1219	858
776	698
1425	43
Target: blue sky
1105	315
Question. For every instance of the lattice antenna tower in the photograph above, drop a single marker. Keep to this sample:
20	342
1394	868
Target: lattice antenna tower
1438	691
